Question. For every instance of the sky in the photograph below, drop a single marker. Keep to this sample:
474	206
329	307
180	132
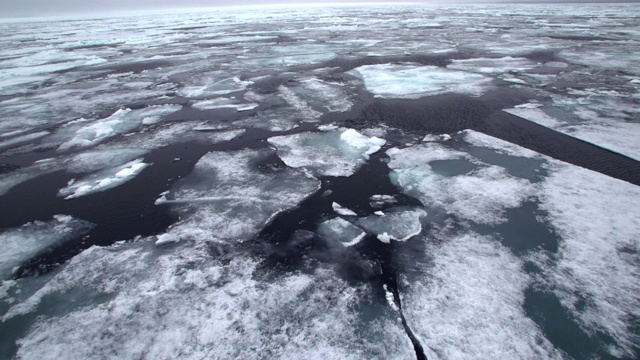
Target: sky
26	8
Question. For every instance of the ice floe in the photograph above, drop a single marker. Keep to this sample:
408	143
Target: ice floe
341	210
468	304
103	180
492	66
597	263
330	153
341	231
398	225
481	195
224	103
234	195
191	304
411	81
21	244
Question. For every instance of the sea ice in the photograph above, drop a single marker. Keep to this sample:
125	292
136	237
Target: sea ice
398	225
188	302
492	66
234	196
340	210
467	304
103	180
23	243
411	81
330	153
341	231
224	103
480	196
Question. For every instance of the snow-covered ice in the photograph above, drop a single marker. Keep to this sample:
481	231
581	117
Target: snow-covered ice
103	180
341	231
492	66
398	225
481	195
330	153
410	81
22	243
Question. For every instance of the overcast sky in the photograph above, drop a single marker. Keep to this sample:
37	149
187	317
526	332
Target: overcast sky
20	8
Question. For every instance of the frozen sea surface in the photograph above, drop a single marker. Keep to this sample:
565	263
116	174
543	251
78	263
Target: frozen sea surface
342	182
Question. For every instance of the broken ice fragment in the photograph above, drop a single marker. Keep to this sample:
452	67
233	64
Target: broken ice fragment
103	180
397	225
341	231
330	153
21	244
342	210
412	81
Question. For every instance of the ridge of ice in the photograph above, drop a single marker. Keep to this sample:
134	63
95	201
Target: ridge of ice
103	180
340	210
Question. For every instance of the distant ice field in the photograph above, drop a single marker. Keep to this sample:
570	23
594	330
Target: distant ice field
339	182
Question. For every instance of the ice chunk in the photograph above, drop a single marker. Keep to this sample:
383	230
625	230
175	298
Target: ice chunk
412	81
186	302
299	104
23	243
234	195
597	264
480	196
378	201
23	138
468	303
331	153
536	115
103	180
224	103
166	239
341	231
492	66
154	114
399	225
90	161
223	86
329	95
342	210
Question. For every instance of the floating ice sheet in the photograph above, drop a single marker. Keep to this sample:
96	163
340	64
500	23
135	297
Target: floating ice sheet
330	153
224	103
103	180
120	122
492	66
413	81
468	303
23	243
480	196
235	194
597	263
341	231
188	303
399	225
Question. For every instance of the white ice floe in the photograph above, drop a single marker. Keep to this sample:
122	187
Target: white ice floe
341	231
398	225
298	104
536	115
587	124
120	122
103	180
481	196
22	243
22	139
468	303
224	103
413	81
598	220
330	96
187	303
330	153
341	210
213	85
492	66
234	197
